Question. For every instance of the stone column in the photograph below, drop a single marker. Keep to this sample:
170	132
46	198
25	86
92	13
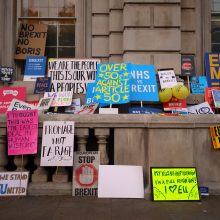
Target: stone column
20	162
82	135
3	152
60	175
102	134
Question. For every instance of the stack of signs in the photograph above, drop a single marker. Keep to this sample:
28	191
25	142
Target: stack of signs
201	109
72	74
215	135
198	84
167	78
60	98
7	94
22	131
42	85
139	110
57	143
113	83
174	184
44	104
143	83
19	105
35	67
216	97
87	109
212	65
85	173
74	107
14	183
209	97
175	103
187	65
6	74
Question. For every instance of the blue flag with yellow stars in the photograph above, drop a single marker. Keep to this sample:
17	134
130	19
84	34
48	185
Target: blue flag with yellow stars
113	83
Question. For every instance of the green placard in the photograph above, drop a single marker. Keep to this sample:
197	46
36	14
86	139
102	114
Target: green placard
174	184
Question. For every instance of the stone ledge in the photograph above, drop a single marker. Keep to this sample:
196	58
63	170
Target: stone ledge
152	1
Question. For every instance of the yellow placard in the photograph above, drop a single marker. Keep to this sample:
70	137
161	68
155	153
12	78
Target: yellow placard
174	184
215	135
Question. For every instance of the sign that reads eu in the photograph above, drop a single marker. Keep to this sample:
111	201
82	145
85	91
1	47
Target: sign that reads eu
212	65
113	83
174	184
143	83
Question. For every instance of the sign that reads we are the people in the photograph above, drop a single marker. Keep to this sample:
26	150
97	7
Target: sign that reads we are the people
174	184
113	83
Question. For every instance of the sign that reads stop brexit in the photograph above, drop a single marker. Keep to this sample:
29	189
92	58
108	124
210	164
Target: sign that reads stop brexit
113	83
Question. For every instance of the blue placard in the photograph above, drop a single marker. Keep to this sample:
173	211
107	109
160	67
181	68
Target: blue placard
35	67
42	85
113	83
212	65
140	110
143	83
198	84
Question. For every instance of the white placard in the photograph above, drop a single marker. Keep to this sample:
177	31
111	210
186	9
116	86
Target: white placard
201	109
57	143
20	105
13	183
116	181
167	78
60	98
75	106
44	103
112	111
71	74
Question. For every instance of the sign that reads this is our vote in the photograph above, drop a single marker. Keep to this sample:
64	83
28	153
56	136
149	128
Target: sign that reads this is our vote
13	183
72	74
57	143
22	130
6	74
113	83
143	83
174	184
85	173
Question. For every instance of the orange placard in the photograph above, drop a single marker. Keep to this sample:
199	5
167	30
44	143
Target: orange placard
215	135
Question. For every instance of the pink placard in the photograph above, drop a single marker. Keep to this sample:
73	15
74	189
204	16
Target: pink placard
7	94
22	130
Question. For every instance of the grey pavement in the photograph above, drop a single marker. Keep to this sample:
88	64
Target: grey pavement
87	208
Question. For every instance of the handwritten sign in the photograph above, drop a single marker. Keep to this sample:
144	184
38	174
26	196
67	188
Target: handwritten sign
13	183
200	109
113	83
35	67
20	105
143	83
215	135
22	130
167	78
85	173
31	40
7	94
72	74
212	65
174	184
57	143
42	85
6	74
44	103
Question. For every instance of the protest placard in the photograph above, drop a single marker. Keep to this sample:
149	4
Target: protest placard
215	135
74	107
188	65
6	74
216	97
42	85
143	83
198	84
167	78
87	109
13	183
72	74
209	97
7	94
85	173
31	40
174	103
174	184
113	83
22	131
143	110
57	143
20	105
201	109
44	103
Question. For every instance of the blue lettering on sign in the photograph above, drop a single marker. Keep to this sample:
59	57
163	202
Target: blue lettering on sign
3	189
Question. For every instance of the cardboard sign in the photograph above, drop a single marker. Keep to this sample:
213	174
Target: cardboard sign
174	184
212	66
75	106
19	105
60	98
35	67
143	83
174	103
216	97
57	143
42	85
13	183
31	40
209	97
198	84
113	83
88	109
44	103
72	74
188	65
117	181
201	109
215	135
7	94
85	173
139	110
22	130
167	78
6	74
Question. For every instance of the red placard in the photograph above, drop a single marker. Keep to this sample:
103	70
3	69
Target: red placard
208	96
174	103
